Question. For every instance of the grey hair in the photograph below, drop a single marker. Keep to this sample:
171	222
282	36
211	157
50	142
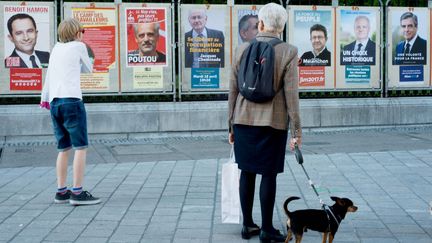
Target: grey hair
156	27
361	17
201	10
274	17
408	15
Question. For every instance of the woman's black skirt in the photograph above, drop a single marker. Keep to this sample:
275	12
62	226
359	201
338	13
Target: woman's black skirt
260	150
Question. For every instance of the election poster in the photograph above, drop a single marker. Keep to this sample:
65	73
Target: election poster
358	48
358	37
205	54
146	48
312	32
99	37
26	47
146	37
26	36
408	58
247	23
204	38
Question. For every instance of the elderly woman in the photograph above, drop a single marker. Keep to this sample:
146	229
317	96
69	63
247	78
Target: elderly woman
259	130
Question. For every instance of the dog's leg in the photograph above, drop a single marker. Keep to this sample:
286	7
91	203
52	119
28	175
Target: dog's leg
331	237
289	235
324	239
298	238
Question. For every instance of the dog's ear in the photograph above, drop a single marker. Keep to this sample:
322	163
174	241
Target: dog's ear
334	198
338	201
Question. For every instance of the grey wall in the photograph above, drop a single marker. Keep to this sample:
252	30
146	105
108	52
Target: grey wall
148	119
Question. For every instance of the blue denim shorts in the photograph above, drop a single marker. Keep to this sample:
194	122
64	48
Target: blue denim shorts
70	123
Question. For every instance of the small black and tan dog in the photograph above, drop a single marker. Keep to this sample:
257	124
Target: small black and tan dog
317	219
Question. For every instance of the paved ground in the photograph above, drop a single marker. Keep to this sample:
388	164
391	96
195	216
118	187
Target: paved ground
168	190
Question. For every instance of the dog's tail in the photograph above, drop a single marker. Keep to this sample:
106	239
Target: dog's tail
285	205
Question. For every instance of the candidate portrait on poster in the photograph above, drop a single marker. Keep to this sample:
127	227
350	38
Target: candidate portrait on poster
26	32
247	25
204	45
313	37
358	34
410	45
146	29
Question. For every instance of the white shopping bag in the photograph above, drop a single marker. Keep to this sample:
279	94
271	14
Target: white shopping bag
230	201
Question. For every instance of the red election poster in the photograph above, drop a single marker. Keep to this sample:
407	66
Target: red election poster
25	79
146	37
99	25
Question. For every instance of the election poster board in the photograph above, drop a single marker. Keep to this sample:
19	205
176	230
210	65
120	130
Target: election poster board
26	42
204	33
311	31
100	25
358	48
146	48
408	56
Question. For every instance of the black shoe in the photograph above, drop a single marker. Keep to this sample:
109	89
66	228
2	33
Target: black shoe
274	236
84	198
62	197
249	231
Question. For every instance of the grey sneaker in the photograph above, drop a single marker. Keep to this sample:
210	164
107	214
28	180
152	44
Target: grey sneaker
84	198
62	197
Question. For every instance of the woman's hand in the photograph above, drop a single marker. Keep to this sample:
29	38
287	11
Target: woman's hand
231	138
294	141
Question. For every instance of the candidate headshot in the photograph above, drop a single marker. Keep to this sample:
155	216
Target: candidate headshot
23	34
248	28
362	50
204	46
146	36
319	56
411	50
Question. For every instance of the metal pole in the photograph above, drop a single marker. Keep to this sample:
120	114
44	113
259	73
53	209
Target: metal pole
173	48
61	10
385	45
382	47
55	21
179	47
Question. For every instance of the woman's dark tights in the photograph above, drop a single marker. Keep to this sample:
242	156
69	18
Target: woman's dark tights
267	198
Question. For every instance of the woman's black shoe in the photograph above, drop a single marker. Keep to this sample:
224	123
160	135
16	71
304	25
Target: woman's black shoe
274	236
249	231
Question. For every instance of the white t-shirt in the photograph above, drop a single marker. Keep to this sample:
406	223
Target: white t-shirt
67	61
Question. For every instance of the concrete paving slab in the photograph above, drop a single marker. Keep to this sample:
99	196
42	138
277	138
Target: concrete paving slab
178	200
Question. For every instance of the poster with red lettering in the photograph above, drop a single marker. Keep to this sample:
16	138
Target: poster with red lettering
26	36
100	32
146	37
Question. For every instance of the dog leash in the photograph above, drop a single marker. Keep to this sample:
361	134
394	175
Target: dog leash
299	158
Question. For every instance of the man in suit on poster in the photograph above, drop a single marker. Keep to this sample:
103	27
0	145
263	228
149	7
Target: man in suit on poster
412	50
319	56
204	47
23	34
362	50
